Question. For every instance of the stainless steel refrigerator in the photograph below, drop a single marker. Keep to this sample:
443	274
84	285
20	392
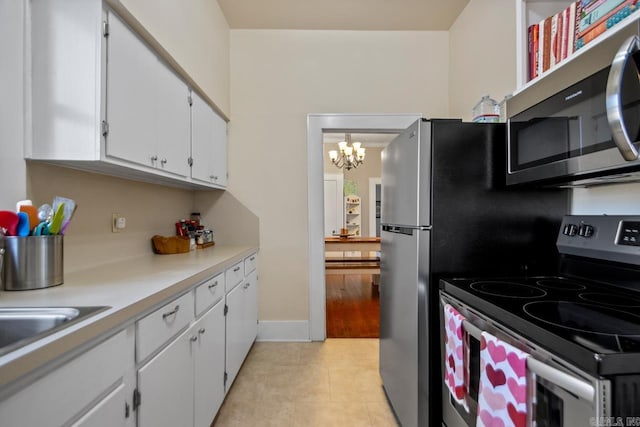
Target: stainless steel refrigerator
446	212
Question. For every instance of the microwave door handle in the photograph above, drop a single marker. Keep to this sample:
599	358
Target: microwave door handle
613	101
568	382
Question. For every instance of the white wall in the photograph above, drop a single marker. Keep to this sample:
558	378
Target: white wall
277	78
483	54
13	184
196	34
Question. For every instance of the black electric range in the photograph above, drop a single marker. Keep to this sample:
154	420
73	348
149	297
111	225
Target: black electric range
589	314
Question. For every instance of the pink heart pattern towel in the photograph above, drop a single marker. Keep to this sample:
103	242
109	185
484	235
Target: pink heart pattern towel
502	398
455	369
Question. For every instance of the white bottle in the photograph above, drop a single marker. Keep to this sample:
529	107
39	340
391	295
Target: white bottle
486	111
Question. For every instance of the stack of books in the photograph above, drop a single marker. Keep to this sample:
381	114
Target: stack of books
556	37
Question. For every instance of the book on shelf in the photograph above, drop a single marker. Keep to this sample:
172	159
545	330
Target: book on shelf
602	18
533	50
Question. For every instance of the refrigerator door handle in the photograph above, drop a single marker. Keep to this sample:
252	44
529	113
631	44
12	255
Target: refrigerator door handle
402	229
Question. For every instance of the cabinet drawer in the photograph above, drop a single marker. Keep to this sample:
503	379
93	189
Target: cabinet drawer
209	293
158	327
68	390
234	275
250	263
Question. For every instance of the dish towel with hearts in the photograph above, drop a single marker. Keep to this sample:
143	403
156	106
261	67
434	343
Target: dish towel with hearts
455	369
502	397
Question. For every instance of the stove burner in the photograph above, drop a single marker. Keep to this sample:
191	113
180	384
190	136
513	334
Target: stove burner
508	289
583	317
612	300
561	284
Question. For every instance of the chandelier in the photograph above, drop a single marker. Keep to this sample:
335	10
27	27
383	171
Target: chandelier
348	156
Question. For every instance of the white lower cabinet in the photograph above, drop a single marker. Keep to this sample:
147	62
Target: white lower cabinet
242	322
183	384
209	365
91	389
165	386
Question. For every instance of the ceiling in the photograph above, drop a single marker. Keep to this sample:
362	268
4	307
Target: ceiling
391	15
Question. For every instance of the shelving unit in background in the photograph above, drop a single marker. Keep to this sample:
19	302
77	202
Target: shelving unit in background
352	214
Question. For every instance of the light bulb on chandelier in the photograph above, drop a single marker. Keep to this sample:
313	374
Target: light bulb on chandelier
347	156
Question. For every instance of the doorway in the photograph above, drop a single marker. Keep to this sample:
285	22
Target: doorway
352	272
317	124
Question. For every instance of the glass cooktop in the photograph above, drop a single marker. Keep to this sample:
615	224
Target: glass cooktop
593	325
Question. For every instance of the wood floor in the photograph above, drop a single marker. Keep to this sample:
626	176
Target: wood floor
353	307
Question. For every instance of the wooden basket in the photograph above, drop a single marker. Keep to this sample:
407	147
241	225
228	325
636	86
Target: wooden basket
170	245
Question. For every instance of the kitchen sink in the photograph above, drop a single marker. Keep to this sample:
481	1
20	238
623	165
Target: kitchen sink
20	326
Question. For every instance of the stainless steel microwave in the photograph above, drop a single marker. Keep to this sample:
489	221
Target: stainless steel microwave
587	131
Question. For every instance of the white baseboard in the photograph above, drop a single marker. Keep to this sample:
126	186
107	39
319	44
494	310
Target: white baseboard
283	330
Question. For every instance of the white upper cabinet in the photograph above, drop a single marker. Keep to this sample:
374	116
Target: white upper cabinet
208	144
103	100
131	92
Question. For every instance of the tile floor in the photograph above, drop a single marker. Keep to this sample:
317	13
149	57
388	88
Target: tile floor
334	383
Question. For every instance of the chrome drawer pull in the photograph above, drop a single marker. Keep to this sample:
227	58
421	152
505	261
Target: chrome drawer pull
202	331
171	313
252	258
213	285
235	270
194	338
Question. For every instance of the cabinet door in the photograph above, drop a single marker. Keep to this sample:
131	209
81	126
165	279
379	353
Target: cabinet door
131	96
208	144
173	122
209	365
235	333
219	160
110	412
166	386
251	309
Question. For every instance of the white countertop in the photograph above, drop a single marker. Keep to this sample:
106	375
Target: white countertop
131	289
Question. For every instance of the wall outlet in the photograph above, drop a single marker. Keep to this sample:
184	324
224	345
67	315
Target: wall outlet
118	223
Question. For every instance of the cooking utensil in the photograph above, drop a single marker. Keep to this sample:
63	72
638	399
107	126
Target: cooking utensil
56	220
66	222
22	229
44	213
32	211
21	203
9	221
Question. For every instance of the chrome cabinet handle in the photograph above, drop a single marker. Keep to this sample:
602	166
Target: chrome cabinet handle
252	258
194	338
235	270
171	313
163	161
154	158
202	331
213	285
613	101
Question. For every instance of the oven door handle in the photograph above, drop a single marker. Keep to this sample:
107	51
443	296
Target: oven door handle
614	103
568	382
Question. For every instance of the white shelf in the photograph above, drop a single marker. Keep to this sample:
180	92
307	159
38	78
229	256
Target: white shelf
529	12
352	216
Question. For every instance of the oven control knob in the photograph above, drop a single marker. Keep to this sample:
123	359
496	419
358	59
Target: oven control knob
585	230
570	230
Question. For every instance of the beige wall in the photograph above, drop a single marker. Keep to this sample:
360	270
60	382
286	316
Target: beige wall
13	184
196	34
482	54
277	78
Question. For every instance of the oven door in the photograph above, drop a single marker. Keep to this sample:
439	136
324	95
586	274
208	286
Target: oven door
557	396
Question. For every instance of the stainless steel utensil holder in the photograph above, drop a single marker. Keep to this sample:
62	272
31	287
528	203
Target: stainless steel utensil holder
32	262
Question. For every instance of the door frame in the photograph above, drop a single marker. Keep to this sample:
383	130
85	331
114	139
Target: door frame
373	181
317	124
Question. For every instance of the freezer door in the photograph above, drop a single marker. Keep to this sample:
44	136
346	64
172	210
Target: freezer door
406	166
399	340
